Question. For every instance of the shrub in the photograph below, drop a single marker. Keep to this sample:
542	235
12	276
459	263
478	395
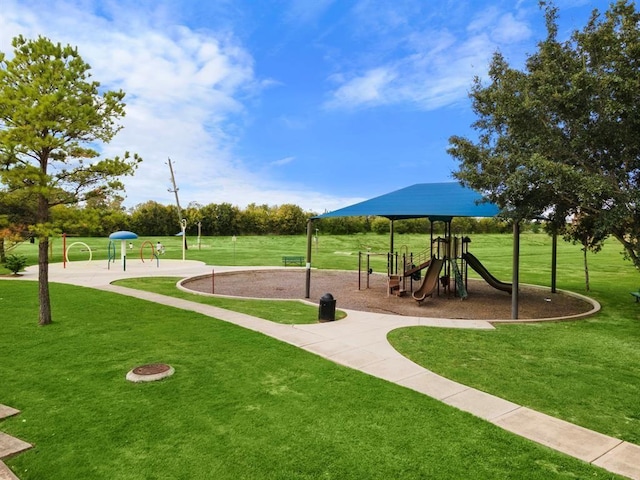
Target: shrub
15	263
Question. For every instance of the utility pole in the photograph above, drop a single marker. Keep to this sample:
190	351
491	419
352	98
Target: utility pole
181	221
175	190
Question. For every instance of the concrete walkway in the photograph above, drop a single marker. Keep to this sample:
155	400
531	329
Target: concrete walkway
360	342
9	445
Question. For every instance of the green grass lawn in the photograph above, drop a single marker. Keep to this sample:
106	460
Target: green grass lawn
586	372
315	420
240	405
279	311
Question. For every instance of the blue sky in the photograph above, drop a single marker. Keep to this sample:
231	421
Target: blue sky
320	103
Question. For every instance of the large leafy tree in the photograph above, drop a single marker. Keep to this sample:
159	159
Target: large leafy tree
153	218
52	117
220	219
290	219
561	136
256	219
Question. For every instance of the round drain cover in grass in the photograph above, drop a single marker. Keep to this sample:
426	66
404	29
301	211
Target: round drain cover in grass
150	372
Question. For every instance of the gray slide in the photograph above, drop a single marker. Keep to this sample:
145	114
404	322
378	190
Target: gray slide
474	263
430	281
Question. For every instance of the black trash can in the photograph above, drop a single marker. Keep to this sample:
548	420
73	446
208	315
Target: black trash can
327	310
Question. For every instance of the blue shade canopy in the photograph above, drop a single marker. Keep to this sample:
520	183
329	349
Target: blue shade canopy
123	235
444	200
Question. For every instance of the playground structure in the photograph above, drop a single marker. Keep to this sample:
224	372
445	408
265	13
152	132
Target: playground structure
437	202
446	260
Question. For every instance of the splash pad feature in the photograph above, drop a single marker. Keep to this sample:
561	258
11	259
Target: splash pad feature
65	250
154	254
123	236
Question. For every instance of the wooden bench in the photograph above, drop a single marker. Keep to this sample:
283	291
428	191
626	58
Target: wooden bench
293	260
636	294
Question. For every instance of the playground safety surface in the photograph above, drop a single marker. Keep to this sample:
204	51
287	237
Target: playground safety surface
482	303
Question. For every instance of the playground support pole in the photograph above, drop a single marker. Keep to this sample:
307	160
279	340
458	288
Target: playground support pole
515	282
308	269
391	235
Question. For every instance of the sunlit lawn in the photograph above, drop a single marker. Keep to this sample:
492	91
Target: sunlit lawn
289	312
240	405
587	372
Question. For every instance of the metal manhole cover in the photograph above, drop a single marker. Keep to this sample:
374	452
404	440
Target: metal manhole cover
150	372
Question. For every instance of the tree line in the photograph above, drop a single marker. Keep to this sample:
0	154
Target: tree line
99	219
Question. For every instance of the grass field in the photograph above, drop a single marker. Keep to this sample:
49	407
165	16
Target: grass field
245	406
285	312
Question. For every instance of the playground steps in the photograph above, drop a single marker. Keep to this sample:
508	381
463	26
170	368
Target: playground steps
9	445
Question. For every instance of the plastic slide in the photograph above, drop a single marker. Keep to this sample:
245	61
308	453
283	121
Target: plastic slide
474	263
430	281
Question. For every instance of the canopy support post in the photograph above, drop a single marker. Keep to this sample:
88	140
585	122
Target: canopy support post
515	282
391	246
307	289
554	260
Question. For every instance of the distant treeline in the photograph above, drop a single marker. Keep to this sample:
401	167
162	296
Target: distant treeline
224	219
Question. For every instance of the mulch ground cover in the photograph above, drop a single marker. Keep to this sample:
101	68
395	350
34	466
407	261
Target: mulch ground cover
368	293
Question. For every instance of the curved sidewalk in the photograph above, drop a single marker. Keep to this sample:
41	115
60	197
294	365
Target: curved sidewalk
360	342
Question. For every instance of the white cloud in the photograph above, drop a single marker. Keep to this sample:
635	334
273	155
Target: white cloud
189	91
369	89
282	161
483	20
293	122
430	67
510	30
384	17
305	11
183	91
429	79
